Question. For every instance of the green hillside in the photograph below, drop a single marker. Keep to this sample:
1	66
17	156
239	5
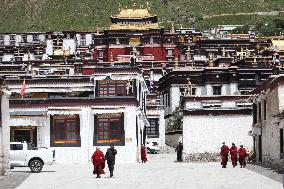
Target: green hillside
87	15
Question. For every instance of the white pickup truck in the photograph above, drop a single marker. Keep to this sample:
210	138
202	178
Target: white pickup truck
23	154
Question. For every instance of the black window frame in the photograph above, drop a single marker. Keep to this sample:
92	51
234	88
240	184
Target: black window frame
217	90
108	117
75	118
152	131
16	147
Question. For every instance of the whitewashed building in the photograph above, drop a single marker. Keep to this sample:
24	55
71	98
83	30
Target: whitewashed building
155	132
75	114
268	122
211	109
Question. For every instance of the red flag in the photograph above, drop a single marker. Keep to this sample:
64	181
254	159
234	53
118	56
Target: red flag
23	89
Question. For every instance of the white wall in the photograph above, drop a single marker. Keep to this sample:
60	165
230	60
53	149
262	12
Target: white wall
49	47
206	133
65	155
69	44
89	39
8	57
159	113
175	97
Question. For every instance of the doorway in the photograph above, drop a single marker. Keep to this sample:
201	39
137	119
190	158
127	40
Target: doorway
21	134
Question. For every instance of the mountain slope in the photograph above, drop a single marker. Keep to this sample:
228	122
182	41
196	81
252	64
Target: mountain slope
88	15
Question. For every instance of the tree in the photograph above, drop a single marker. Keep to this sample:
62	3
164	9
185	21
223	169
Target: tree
175	122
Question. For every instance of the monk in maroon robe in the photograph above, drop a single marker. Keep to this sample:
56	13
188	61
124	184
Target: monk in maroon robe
143	154
234	155
98	160
224	155
242	156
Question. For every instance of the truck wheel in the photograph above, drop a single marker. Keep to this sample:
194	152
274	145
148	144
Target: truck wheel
35	166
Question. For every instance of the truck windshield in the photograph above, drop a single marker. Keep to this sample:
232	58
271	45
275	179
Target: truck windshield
16	146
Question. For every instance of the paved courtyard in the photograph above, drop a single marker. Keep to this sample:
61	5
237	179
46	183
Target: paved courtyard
160	172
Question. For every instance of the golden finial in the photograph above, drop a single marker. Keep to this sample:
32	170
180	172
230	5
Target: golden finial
111	57
223	52
119	7
147	5
98	32
176	62
173	28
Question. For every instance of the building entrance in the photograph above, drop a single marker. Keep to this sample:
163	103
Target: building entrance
21	134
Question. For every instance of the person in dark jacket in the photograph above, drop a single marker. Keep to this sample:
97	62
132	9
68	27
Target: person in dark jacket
179	151
110	157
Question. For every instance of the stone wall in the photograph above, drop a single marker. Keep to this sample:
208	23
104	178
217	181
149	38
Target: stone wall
173	138
270	135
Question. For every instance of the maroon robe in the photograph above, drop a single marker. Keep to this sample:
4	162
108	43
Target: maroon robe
143	154
242	157
224	155
234	155
98	160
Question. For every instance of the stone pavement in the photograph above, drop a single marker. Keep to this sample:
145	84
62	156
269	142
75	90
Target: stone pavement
159	172
13	179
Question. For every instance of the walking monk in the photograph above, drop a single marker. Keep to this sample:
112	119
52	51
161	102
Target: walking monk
110	157
143	154
224	155
98	160
234	155
242	156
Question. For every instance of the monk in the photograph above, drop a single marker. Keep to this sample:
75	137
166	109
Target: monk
234	155
179	149
224	155
143	154
98	160
242	156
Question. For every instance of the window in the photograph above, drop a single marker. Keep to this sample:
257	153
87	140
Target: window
35	37
193	91
169	98
18	59
12	39
83	40
264	109
259	112
2	39
254	113
16	146
113	88
153	130
65	131
169	52
151	40
24	38
216	90
281	143
109	128
101	54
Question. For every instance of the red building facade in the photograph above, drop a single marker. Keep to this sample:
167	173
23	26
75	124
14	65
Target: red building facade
135	33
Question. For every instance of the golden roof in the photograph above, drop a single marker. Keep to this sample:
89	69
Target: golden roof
279	44
133	13
60	52
134	26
